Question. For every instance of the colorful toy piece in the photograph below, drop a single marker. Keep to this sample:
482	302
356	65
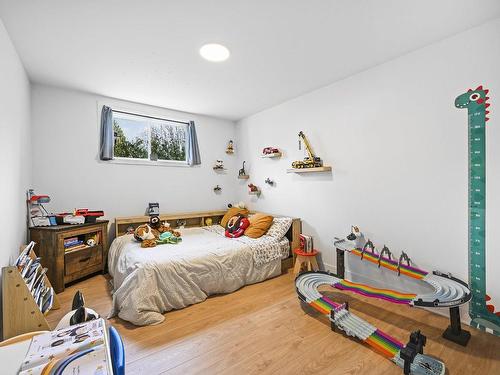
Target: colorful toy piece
476	103
409	357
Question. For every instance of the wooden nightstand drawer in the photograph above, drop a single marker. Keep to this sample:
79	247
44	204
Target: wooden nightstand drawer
82	262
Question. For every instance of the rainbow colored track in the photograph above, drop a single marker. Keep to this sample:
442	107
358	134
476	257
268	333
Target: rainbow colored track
384	344
369	291
391	264
378	340
341	318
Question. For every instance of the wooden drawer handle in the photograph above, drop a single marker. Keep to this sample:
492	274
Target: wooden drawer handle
84	259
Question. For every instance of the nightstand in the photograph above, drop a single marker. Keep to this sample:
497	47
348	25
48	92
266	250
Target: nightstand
64	251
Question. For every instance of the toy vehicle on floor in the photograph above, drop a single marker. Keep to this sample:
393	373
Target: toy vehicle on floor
310	161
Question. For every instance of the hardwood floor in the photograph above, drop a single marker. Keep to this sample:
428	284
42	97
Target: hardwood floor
262	329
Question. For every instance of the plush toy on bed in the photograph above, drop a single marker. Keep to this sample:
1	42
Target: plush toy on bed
144	234
236	226
156	233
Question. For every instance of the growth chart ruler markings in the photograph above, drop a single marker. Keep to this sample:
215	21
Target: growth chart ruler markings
475	102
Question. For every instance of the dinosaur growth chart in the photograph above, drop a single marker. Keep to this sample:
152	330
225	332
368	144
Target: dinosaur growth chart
482	315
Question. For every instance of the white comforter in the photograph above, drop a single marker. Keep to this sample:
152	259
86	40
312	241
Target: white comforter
149	282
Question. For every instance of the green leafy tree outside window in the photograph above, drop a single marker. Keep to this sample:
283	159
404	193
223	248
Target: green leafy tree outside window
167	143
124	148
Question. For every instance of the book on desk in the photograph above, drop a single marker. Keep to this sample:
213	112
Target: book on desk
79	349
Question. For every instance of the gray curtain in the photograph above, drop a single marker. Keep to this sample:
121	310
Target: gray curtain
107	135
193	151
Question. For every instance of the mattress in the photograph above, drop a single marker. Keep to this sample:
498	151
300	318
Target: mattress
149	282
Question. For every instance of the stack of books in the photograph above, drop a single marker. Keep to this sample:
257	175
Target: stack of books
73	243
33	274
306	243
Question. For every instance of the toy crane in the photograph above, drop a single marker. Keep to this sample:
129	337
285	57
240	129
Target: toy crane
310	161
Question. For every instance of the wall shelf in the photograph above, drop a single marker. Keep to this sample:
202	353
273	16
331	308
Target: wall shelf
309	170
244	177
275	155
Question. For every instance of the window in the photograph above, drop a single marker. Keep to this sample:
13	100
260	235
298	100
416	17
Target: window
138	137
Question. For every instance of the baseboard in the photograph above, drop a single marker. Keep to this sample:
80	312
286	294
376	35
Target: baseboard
329	267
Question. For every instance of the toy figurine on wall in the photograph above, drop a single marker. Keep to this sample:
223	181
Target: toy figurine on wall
254	190
219	165
230	148
242	171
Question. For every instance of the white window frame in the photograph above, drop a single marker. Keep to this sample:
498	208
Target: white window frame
149	162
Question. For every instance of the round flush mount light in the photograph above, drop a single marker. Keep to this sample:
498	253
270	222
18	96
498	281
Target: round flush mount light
214	52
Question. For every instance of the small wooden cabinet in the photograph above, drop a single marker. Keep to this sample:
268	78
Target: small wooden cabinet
67	264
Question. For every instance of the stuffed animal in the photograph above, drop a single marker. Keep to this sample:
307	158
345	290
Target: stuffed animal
236	226
150	237
154	221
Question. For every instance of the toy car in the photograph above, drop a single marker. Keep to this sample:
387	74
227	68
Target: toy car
270	150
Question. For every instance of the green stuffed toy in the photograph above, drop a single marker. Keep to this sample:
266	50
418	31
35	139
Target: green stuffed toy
168	238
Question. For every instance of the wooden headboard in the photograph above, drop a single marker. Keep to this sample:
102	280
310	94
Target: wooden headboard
198	219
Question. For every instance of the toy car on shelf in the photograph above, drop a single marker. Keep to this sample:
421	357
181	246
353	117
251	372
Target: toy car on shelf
270	151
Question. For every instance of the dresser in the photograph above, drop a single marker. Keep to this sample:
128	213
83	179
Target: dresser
66	252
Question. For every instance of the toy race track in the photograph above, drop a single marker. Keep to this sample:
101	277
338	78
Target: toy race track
420	288
409	357
444	291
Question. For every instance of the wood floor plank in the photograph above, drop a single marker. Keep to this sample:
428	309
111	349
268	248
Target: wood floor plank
263	329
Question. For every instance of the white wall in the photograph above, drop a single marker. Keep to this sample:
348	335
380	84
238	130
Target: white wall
65	166
15	149
399	151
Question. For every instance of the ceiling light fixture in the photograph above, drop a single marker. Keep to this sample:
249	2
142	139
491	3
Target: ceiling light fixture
214	52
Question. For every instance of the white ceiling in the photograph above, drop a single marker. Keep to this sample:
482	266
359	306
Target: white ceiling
147	51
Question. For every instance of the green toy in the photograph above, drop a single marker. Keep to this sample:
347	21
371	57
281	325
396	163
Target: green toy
168	238
483	315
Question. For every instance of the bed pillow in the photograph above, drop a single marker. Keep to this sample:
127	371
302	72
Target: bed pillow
280	227
233	211
259	224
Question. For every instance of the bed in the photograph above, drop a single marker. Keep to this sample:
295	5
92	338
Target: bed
149	282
